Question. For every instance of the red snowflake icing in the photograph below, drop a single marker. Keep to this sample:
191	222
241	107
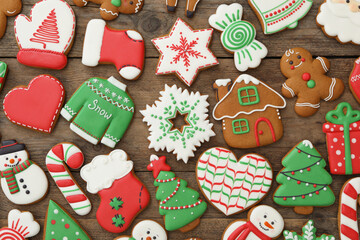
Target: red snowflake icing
185	51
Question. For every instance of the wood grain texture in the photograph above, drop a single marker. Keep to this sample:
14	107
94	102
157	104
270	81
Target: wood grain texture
152	22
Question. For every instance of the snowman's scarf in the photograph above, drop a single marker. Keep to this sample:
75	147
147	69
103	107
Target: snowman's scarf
242	232
9	175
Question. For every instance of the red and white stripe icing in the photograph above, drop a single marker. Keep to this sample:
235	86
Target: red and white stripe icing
10	234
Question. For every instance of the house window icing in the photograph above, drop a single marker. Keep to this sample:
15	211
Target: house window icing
240	126
248	96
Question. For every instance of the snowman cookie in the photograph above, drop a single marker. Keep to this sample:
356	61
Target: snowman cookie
146	230
263	223
18	222
22	181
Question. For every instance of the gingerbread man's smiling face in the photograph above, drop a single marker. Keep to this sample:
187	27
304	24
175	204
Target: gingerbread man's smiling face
294	61
10	7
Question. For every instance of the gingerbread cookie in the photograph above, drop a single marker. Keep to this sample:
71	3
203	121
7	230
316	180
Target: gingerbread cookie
183	140
122	195
110	9
342	139
36	106
184	51
3	73
304	183
238	36
21	226
107	104
276	16
71	155
308	233
249	111
233	185
8	9
308	81
340	19
60	225
47	36
179	204
354	80
22	181
263	222
146	230
190	6
348	222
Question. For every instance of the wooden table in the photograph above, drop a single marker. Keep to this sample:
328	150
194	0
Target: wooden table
152	22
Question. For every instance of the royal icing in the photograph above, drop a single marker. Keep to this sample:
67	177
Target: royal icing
233	185
124	48
238	36
60	225
46	37
146	229
122	194
22	181
354	80
164	135
179	204
3	73
71	155
21	225
190	6
333	12
276	16
308	233
184	51
249	112
348	223
342	138
264	223
8	9
107	104
36	106
303	180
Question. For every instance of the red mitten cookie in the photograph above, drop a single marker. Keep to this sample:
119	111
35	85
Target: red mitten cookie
308	81
8	8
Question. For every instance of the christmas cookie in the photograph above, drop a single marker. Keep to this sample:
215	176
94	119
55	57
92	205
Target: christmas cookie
122	195
304	183
21	226
36	106
110	9
348	222
179	204
146	230
340	19
58	158
249	111
8	9
123	48
190	6
174	103
238	36
308	233
184	52
276	16
46	37
342	139
354	80
60	225
233	185
3	72
108	105
263	223
308	81
22	181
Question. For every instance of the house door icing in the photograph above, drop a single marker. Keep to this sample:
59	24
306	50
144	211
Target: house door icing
260	132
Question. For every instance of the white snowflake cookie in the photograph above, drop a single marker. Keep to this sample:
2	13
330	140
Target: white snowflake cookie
164	134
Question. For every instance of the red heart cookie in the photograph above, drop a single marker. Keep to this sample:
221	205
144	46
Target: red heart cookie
36	106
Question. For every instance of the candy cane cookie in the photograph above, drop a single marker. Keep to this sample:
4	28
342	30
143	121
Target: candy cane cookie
55	162
348	225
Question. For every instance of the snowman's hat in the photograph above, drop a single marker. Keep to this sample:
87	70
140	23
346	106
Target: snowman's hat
10	146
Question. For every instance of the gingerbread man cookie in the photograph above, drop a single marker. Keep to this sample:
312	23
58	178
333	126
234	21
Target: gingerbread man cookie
307	80
8	9
110	9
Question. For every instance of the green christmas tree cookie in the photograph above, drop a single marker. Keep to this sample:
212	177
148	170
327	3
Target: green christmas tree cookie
304	181
309	233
